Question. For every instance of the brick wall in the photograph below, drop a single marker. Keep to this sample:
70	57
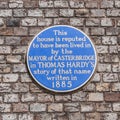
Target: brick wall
23	99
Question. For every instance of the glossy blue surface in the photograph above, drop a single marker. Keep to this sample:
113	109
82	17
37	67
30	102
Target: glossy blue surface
61	58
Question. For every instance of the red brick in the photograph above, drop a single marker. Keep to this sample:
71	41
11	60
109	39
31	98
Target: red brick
6	31
30	3
110	97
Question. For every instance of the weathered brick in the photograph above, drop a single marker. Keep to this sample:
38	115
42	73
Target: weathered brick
114	58
104	68
5	13
92	22
107	4
25	39
116	68
28	97
9	116
85	30
2	59
92	4
5	68
1	40
62	98
110	77
0	117
10	77
19	68
5	108
5	87
6	31
113	49
51	13
35	13
0	77
55	107
87	107
76	116
45	98
5	49
103	107
16	4
98	31
1	22
97	12
82	12
21	31
109	116
1	99
118	23
30	4
97	97
96	39
90	87
109	40
35	30
118	43
96	77
116	87
26	117
112	31
3	4
43	116
102	49
19	49
76	4
106	22
117	3
20	87
71	107
110	97
29	22
13	58
113	12
38	107
76	21
61	116
45	4
35	89
66	13
93	116
12	40
105	58
20	107
25	78
79	96
11	98
116	107
44	22
61	3
19	12
13	22
102	87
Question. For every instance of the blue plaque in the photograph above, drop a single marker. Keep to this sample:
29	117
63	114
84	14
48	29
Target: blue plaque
61	58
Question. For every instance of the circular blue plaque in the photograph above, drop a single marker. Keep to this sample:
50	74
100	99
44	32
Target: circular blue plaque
61	58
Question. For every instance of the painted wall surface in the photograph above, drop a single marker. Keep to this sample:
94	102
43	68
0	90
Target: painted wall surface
21	98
